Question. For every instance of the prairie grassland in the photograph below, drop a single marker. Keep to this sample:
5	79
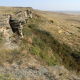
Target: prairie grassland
54	38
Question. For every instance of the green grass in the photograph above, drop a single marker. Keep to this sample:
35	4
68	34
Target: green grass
43	51
44	55
1	38
38	47
6	77
43	40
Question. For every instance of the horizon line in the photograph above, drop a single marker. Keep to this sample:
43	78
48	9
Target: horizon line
42	9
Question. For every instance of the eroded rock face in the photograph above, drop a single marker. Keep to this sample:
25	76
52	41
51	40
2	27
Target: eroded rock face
13	24
28	14
5	30
17	23
16	26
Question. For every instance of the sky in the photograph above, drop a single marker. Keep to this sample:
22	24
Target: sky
52	5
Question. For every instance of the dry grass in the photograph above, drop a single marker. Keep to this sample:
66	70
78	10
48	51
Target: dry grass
49	36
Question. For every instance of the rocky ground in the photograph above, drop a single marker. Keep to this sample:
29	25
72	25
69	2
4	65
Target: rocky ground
33	70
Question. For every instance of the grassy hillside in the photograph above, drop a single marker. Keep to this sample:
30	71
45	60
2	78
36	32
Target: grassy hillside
51	38
44	37
52	34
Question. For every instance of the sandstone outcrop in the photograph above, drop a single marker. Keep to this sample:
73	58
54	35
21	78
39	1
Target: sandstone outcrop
12	24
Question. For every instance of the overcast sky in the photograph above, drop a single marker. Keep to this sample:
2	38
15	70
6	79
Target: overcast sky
53	5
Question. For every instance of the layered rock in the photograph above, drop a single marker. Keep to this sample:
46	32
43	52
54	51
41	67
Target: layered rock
12	24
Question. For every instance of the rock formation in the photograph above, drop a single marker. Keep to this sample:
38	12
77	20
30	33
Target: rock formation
28	13
17	24
12	24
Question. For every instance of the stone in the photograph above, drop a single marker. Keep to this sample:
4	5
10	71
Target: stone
16	26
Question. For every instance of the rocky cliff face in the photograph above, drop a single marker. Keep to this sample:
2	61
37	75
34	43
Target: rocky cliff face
12	24
5	30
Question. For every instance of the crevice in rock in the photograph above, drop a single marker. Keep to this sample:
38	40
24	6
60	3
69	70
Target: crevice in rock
16	26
